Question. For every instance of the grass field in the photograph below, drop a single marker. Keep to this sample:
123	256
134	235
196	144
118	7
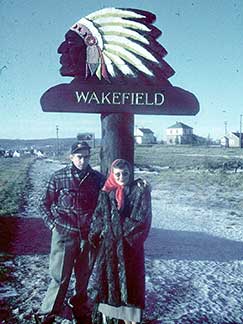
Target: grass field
175	164
195	157
179	157
194	167
13	183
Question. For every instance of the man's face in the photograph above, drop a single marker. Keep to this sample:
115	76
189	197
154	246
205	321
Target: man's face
122	176
81	159
73	58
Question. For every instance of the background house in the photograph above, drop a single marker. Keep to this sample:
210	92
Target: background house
232	139
199	140
224	141
179	133
144	136
16	154
87	137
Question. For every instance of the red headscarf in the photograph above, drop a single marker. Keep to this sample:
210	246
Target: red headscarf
111	185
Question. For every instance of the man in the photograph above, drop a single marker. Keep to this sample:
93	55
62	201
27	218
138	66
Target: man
67	207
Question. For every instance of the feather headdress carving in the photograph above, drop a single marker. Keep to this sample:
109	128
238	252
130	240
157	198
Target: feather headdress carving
121	41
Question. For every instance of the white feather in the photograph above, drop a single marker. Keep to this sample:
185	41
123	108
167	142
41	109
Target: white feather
120	39
111	12
107	21
130	46
124	32
127	56
119	63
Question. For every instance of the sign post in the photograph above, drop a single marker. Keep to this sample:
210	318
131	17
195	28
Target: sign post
117	139
119	70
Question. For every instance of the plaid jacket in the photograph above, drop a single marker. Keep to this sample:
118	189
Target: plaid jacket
70	200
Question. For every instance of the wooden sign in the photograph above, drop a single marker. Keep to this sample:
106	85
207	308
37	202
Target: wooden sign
118	67
138	99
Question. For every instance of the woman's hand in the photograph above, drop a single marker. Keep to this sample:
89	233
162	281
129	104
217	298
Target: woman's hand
143	184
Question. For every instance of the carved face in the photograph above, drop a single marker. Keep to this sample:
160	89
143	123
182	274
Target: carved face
73	58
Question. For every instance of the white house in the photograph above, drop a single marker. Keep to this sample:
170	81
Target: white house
179	133
224	141
40	154
144	136
232	139
16	154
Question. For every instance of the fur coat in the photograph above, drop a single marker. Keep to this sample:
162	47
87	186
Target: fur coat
119	236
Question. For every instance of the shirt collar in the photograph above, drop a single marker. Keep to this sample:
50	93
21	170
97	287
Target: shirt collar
79	173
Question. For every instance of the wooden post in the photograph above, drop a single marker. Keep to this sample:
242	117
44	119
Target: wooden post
117	139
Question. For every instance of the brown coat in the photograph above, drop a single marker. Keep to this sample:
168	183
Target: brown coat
121	235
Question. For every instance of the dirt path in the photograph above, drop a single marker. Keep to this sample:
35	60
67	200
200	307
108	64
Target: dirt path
39	175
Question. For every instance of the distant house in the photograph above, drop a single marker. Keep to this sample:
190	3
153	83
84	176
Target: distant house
16	154
8	154
144	136
224	141
232	139
2	152
179	133
87	137
27	152
199	140
40	154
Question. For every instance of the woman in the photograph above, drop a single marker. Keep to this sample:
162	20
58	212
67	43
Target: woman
119	227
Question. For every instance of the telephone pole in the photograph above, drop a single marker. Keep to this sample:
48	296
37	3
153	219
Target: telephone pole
57	134
225	128
240	145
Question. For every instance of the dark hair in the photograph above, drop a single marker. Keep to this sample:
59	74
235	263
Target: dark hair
121	164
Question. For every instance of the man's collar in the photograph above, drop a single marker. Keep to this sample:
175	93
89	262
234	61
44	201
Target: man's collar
78	172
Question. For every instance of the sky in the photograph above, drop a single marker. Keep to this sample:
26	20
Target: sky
203	38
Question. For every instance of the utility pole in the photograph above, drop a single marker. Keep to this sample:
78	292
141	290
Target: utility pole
57	134
225	128
240	131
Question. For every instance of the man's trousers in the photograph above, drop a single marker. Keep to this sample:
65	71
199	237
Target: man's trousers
67	253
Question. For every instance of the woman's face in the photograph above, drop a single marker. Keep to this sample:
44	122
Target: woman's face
122	176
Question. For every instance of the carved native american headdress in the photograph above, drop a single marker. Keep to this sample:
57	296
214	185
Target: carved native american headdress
121	41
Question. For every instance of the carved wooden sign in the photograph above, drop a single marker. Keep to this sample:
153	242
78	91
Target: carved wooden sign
118	66
149	100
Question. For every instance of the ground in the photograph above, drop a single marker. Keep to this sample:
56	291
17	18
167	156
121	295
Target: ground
194	253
